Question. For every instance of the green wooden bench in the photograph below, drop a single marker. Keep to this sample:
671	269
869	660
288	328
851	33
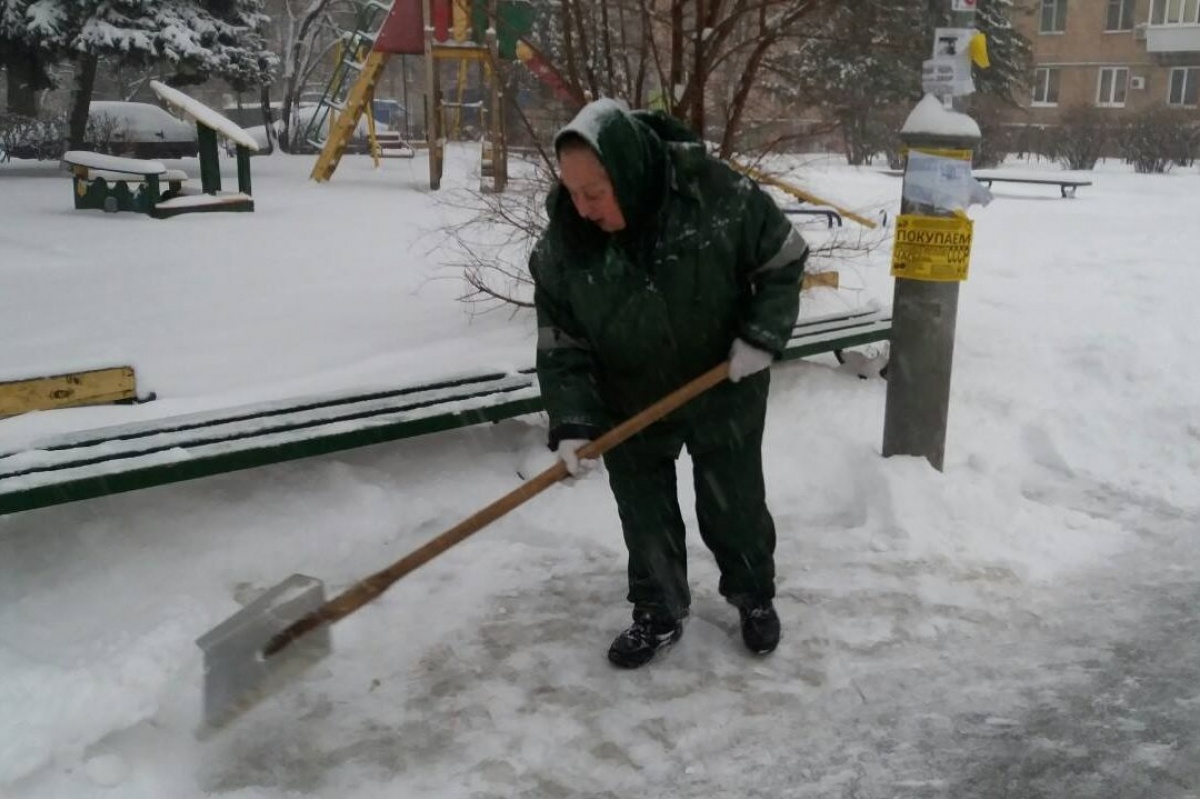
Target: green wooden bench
110	183
836	332
143	454
210	126
111	460
115	184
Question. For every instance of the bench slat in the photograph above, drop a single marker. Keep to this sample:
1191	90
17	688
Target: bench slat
92	387
113	163
113	477
203	200
225	440
845	338
1038	181
240	424
170	176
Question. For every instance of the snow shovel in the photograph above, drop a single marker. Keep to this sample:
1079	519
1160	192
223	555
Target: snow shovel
245	657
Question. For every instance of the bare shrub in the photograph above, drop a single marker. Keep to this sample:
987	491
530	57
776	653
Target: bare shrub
27	137
105	134
1156	141
493	244
996	139
1083	137
46	139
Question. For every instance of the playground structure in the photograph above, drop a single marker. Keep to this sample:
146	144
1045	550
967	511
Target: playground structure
480	32
464	32
467	32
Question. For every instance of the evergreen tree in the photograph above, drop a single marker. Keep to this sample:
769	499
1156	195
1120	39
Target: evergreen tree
195	40
32	40
1009	51
863	64
863	61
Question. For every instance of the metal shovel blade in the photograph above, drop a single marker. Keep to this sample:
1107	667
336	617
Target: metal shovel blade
236	675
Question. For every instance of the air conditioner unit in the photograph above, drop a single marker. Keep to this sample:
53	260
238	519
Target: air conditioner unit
1137	83
1139	32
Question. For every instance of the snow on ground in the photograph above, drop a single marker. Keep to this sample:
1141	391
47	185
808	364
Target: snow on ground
1019	625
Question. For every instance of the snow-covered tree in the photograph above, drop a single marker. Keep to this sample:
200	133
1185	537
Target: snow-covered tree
856	64
193	39
1009	51
34	35
190	40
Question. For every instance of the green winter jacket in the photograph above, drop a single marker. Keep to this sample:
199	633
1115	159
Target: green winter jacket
626	318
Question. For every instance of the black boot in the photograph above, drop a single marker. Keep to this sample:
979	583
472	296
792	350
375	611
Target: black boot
760	626
638	644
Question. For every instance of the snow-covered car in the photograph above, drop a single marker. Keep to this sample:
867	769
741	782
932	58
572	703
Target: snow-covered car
303	117
139	130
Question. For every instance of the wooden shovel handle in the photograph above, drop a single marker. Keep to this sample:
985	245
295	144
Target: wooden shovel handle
371	587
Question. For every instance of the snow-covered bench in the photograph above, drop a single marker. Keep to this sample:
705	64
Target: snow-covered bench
210	125
143	454
111	183
840	332
1066	186
129	184
111	460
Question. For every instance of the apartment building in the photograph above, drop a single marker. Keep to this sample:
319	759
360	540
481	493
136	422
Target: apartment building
1127	55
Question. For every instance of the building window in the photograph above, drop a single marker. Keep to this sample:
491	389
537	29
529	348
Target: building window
1175	12
1120	15
1110	89
1054	16
1183	88
1045	86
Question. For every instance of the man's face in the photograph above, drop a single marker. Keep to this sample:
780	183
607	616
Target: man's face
591	189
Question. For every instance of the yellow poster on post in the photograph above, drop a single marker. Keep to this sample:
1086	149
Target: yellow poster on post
936	248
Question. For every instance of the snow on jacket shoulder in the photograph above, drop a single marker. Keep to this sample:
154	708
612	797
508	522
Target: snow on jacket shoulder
626	318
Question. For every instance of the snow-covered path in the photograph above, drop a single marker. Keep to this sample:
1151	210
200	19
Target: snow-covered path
1110	706
910	668
1086	687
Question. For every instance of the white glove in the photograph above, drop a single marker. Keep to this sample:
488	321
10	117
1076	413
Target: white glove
746	359
567	453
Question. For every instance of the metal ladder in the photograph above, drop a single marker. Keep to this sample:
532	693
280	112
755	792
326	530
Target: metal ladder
349	92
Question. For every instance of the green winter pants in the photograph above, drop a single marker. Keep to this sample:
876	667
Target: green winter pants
731	509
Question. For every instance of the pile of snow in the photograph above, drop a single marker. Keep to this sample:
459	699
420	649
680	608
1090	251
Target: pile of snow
930	117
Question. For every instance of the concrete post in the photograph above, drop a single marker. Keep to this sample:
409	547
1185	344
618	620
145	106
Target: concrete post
924	317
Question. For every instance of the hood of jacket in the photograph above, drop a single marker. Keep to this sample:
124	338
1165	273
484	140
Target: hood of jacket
633	148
